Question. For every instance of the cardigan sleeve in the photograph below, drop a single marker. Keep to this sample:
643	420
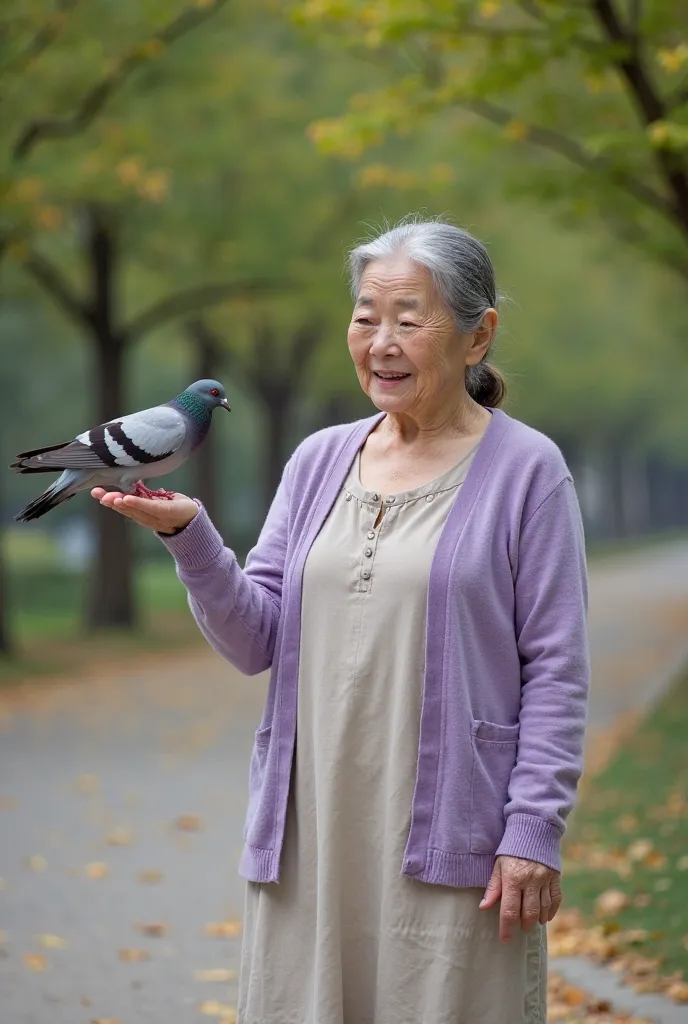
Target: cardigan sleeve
237	610
551	602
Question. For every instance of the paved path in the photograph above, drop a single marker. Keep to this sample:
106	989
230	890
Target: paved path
157	744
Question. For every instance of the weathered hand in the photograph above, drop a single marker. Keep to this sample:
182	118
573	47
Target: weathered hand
161	516
530	892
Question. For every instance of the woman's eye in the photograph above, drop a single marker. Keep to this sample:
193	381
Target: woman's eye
364	321
407	323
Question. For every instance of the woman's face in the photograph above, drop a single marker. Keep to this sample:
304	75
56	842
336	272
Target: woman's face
409	354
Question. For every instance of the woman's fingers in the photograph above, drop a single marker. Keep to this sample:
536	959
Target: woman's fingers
159	514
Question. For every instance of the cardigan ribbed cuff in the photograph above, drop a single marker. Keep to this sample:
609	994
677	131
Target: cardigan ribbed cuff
196	546
532	838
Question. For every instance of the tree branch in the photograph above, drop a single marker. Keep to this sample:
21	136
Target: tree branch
45	35
649	104
57	286
575	153
101	92
195	298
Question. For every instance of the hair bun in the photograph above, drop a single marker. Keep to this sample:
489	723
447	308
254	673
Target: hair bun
485	385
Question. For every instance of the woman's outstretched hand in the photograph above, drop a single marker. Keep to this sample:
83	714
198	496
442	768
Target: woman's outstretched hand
158	515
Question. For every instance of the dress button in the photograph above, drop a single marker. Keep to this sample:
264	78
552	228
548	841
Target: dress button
365	575
429	497
349	495
375	497
371	535
390	499
368	552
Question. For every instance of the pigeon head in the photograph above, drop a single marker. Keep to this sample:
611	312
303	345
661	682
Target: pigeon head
210	392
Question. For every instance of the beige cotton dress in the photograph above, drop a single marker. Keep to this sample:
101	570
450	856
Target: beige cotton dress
344	937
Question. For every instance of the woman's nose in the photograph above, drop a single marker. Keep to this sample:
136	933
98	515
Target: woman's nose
383	340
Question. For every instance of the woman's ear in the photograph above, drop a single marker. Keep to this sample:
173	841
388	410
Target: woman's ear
483	337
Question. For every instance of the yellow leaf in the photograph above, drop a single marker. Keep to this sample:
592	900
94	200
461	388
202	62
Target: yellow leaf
133	955
489	8
129	171
35	962
154	186
639	849
594	83
52	941
678	991
96	869
19	251
223	929
36	862
516	130
211	1008
120	837
49	217
610	902
214	974
189	823
28	189
150	877
88	783
673	60
659	132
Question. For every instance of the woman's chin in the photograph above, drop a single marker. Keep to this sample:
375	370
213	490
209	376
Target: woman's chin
386	400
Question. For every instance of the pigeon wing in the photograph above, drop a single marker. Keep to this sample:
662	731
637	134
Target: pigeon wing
125	442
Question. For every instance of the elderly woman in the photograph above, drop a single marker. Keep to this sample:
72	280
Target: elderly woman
419	593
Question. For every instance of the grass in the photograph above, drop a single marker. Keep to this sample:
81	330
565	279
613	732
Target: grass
47	620
629	833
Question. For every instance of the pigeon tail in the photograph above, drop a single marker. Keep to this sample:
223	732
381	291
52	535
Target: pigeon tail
62	490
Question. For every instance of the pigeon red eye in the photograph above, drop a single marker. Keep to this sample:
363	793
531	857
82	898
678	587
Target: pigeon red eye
214	392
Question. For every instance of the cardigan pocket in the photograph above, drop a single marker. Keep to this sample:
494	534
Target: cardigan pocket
494	758
254	825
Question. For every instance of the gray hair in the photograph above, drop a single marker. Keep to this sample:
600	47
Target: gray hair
462	273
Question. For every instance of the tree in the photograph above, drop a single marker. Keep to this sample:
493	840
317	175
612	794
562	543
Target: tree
90	209
595	93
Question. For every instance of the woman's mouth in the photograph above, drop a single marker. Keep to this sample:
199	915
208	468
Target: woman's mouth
391	378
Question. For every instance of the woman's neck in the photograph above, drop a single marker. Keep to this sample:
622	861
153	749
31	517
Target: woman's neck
468	419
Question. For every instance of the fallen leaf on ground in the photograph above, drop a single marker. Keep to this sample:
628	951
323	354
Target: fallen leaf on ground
188	823
35	962
678	991
611	902
96	869
36	862
211	1008
214	974
133	955
120	837
52	941
105	1020
682	863
7	803
88	783
3	938
153	929
223	929
639	849
150	877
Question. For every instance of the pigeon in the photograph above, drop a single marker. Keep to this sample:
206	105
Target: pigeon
120	454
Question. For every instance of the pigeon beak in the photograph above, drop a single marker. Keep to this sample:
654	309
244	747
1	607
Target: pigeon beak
225	405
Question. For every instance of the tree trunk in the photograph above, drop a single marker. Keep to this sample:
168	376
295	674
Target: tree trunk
6	645
111	589
206	360
277	402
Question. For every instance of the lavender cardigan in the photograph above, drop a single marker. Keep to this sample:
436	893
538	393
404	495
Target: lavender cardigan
506	672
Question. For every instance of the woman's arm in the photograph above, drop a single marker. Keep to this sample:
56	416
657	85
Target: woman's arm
237	610
551	595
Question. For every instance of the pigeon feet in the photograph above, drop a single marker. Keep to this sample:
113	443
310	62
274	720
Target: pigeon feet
141	491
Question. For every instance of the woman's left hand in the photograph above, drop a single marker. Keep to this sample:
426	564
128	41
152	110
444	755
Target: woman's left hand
530	892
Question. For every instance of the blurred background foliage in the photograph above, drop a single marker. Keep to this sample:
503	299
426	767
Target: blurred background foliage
179	184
